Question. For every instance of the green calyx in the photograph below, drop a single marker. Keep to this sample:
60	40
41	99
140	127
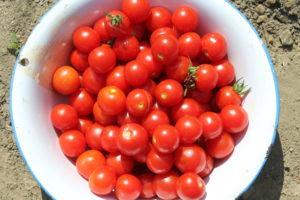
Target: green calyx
189	82
115	20
240	87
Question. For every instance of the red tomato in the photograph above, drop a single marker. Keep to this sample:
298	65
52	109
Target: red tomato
201	97
137	30
101	30
117	78
146	59
72	143
190	129
126	47
117	23
214	46
108	138
84	124
65	80
147	185
206	78
136	10
85	39
92	81
144	45
186	107
128	187
120	163
139	102
103	180
158	17
150	87
153	119
88	161
102	59
82	101
168	92
165	185
212	125
208	167
227	96
165	49
189	45
132	139
159	163
190	158
220	147
142	156
79	60
167	110
190	186
93	136
165	138
64	117
162	31
101	117
185	19
111	100
178	69
234	118
126	117
225	71
136	74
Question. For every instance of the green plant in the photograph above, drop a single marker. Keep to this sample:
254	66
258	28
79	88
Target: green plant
15	45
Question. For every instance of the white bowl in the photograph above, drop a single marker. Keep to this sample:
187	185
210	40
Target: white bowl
48	47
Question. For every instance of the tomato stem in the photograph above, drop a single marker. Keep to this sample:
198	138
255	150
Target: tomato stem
115	20
189	82
240	87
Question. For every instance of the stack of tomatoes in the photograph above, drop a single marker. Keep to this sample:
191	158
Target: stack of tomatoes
152	104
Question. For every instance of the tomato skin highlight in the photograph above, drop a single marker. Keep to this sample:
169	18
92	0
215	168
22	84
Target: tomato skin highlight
101	117
82	102
128	187
103	180
119	29
117	78
93	136
226	72
165	185
227	96
162	31
178	70
190	186
168	92
65	80
139	102
185	19
158	18
79	60
102	59
147	185
84	123
85	39
136	10
190	129
126	47
64	117
155	118
208	167
108	138
136	74
159	163
186	107
214	46
207	77
99	26
120	163
212	125
189	45
72	143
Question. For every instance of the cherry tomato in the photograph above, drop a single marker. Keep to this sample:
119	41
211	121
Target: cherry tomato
214	46
64	117
142	156
187	106
234	118
208	167
88	161
146	59
190	129
126	117
178	70
165	185
99	26
206	78
128	187
159	163
168	92
93	136
103	180
189	45
108	138
158	17
82	101
150	87
117	23
162	31
165	138
225	72
120	163
132	139
185	19
190	186
190	158
139	102
84	124
201	97
220	147
117	78
92	81
102	59
72	143
137	30
79	60
167	110
153	119
65	80
165	49
126	47
212	125
147	185
101	117
85	39
136	74
136	10
111	100
144	45
227	96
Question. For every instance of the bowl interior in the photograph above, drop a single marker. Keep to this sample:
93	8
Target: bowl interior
49	47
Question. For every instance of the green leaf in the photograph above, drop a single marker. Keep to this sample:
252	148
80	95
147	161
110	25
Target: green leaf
14	38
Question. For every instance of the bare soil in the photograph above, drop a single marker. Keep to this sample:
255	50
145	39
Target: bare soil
278	23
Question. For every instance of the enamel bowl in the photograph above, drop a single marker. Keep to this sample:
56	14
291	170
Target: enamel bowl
49	46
